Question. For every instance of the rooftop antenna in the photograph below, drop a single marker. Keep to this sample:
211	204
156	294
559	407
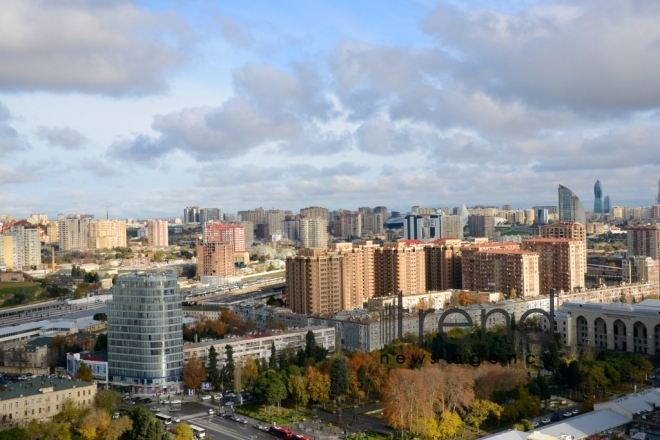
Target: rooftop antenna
106	213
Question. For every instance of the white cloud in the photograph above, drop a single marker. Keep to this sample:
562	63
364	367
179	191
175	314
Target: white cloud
63	137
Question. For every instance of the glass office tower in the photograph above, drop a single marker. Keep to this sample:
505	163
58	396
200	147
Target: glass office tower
598	198
570	207
145	340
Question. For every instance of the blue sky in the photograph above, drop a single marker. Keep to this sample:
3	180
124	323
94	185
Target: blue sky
147	107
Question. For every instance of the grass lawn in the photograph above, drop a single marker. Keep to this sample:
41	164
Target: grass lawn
8	289
271	414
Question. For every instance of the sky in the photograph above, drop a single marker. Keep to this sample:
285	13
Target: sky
146	107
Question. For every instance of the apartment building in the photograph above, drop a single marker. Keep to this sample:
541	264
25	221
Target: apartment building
400	267
482	226
315	211
572	230
41	399
500	267
257	216
223	233
562	263
73	233
209	215
216	259
157	233
348	225
644	240
314	232
443	264
259	346
107	234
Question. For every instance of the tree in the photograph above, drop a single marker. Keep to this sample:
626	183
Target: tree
145	426
339	377
465	299
193	372
183	431
118	427
69	412
481	410
524	425
228	370
298	390
450	423
108	400
212	370
270	388
95	424
100	317
250	373
13	434
101	343
84	373
318	385
272	362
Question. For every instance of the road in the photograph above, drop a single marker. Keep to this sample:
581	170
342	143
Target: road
65	311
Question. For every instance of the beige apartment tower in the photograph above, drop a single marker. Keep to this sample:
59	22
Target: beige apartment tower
562	263
157	234
443	264
314	232
500	267
572	230
107	234
400	267
215	259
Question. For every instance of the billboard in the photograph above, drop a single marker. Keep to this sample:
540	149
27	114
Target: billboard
206	386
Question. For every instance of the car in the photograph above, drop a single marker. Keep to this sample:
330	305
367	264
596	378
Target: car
568	414
230	395
300	437
175	402
257	426
545	421
217	397
207	397
155	409
243	420
575	412
652	376
535	424
176	419
228	404
147	400
211	412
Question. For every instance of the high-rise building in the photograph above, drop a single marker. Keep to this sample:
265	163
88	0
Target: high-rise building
52	232
37	219
400	267
11	251
330	280
570	207
542	216
249	232
413	227
73	233
506	207
606	205
598	198
562	263
383	211
451	226
572	230
222	233
657	199
443	264
315	211
157	233
107	234
500	267
372	223
145	340
314	232
191	215
209	215
256	216
274	218
215	259
348	225
619	212
482	226
291	227
644	240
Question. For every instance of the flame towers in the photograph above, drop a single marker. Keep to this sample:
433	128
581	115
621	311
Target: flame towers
570	207
598	198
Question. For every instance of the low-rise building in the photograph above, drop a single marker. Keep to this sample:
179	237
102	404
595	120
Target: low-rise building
258	346
204	311
97	361
41	399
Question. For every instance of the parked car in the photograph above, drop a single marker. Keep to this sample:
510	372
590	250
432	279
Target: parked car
147	400
257	426
155	409
175	402
568	414
535	424
211	412
243	420
575	412
207	397
217	396
545	421
228	404
301	437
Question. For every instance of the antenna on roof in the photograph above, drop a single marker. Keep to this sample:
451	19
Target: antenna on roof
106	213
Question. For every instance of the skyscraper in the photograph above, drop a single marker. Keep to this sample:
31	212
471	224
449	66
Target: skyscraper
157	233
191	215
598	198
209	215
314	232
606	205
570	207
145	341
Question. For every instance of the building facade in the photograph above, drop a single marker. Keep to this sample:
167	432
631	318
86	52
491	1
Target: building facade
644	240
73	233
443	264
570	207
215	259
145	339
157	233
562	263
209	215
314	232
400	267
107	234
223	233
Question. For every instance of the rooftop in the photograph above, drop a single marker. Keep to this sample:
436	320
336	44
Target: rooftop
36	386
254	336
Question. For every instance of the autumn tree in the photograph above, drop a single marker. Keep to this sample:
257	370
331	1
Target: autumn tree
95	424
69	412
194	373
318	385
108	400
465	298
297	387
450	423
183	431
481	410
250	373
84	373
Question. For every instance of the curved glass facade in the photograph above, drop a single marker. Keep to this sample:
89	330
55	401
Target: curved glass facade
570	207
145	340
598	198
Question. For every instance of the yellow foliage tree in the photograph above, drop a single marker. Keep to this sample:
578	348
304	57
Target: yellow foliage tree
450	423
183	431
95	424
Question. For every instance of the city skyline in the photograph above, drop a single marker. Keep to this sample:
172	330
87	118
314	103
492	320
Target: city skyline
147	106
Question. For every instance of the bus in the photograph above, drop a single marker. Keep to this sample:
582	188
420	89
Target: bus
199	432
281	432
167	420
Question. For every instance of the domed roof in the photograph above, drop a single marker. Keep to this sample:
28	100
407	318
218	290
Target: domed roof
266	251
287	252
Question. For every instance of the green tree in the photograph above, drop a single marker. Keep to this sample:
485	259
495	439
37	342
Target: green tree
84	373
100	317
523	425
108	400
145	426
13	434
101	343
212	370
298	389
69	412
272	362
270	388
339	377
228	372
